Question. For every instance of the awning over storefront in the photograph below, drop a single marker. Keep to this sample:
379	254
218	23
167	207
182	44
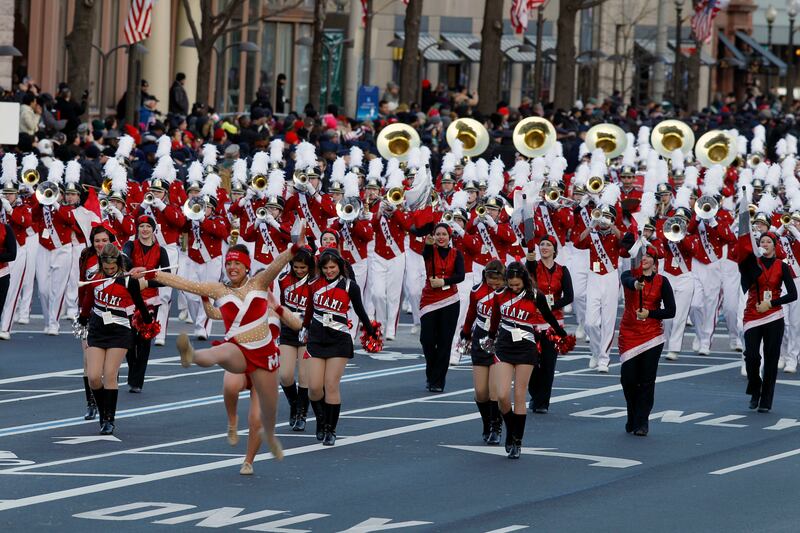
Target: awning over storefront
462	41
770	58
548	45
737	58
426	40
510	47
649	46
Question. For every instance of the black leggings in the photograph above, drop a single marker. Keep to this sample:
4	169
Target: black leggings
638	379
5	281
540	387
437	329
137	357
771	334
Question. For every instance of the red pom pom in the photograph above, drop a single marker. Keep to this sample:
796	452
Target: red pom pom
374	343
564	344
145	331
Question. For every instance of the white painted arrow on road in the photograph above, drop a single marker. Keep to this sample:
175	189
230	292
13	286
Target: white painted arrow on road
596	460
84	440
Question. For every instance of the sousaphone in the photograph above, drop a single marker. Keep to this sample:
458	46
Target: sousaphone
471	133
533	136
610	138
716	147
396	140
671	135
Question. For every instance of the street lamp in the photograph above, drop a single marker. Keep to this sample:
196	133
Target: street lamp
308	41
441	44
792	12
244	46
771	15
676	67
9	51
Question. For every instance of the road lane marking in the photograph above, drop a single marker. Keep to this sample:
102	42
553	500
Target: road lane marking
594	460
757	462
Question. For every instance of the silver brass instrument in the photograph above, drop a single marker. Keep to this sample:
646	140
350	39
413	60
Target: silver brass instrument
348	209
149	198
610	138
104	204
261	214
595	185
447	217
717	147
671	135
533	136
754	160
47	193
674	229
596	214
300	180
706	207
195	208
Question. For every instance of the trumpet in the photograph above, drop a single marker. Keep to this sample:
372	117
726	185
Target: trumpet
447	217
233	237
259	183
395	196
261	214
104	204
706	207
674	229
754	160
300	180
596	215
348	209
149	198
552	194
480	211
595	185
47	193
31	177
786	219
195	208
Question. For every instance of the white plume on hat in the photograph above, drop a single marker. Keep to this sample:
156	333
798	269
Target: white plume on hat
583	150
482	169
338	169
690	177
9	175
582	175
424	156
195	172
275	151
305	156
124	147
395	178
643	137
211	185
791	144
108	168
470	172
652	158
392	165
557	168
780	148
457	149
259	164
496	178
29	162
538	166
774	176
239	172
375	169
459	200
209	154
611	194
356	157
677	160
119	180
55	173
164	147
713	180
629	155
760	172
741	145
555	151
449	161
276	182
164	169
768	204
350	183
655	175
745	182
414	157
647	208
520	172
72	174
683	197
757	146
759	132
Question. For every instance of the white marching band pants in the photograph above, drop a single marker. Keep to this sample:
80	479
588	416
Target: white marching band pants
414	281
385	277
708	284
731	294
201	272
602	295
579	272
183	264
464	290
52	271
790	347
366	289
683	290
18	272
361	271
32	246
71	297
165	293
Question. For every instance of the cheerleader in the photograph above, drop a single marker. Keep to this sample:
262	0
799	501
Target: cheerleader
554	281
439	303
648	302
106	310
294	296
330	345
476	326
144	252
8	253
515	313
247	347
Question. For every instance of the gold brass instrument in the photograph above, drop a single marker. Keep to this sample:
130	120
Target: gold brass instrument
195	208
259	183
796	216
480	211
434	200
396	140
348	209
552	194
754	160
395	196
105	188
674	229
716	147
534	136
471	133
595	185
786	219
47	193
596	214
300	180
233	237
670	135
31	177
610	138
706	207
752	208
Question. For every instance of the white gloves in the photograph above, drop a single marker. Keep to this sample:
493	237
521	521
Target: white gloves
458	230
159	204
269	219
489	221
6	205
115	212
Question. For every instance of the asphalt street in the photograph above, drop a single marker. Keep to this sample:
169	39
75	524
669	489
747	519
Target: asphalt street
404	459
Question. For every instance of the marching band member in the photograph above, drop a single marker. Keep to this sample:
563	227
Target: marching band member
309	203
122	157
243	208
579	258
72	198
116	202
553	217
54	223
495	236
31	246
165	209
330	345
106	309
713	234
554	281
267	231
763	278
239	190
448	176
372	202
207	229
512	323
414	272
790	243
648	301
605	242
475	329
15	215
439	304
144	251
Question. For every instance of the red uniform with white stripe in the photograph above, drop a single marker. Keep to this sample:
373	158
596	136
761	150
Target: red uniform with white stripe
768	286
438	267
268	240
637	336
390	233
552	221
62	222
495	242
607	244
170	221
355	238
711	239
315	210
20	220
212	230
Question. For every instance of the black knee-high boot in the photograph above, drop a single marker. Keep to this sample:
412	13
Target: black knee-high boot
291	396
510	421
319	412
331	419
110	411
91	405
483	409
100	401
495	424
302	409
519	432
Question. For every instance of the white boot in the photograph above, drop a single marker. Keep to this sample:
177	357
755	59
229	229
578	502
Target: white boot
672	356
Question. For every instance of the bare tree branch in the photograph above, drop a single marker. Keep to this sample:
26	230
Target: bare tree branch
192	23
224	18
588	4
264	18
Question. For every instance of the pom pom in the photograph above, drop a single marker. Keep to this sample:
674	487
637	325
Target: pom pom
145	331
563	344
374	343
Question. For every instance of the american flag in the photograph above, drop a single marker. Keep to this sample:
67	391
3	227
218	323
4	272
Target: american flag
519	13
137	27
703	19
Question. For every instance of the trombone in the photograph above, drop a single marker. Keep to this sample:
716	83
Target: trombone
259	183
395	196
31	177
552	194
595	185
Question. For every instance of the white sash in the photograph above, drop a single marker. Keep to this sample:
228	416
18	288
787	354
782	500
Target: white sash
387	235
548	223
487	240
264	230
308	216
48	222
248	208
585	217
159	235
676	253
790	258
199	241
349	243
601	251
701	229
519	234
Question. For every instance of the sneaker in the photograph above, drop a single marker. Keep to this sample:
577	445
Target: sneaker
672	356
415	329
5	335
580	333
593	362
790	368
695	345
24	321
389	337
246	470
703	351
159	342
52	332
602	368
739	348
781	363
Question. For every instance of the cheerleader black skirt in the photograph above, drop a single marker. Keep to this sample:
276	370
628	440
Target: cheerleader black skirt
522	352
288	337
107	336
325	343
479	356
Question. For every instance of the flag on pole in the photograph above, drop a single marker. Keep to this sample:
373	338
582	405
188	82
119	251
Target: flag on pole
703	19
519	13
137	27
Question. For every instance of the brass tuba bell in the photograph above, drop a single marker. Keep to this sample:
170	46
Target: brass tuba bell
533	136
471	133
716	147
610	138
670	135
396	140
674	229
105	187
